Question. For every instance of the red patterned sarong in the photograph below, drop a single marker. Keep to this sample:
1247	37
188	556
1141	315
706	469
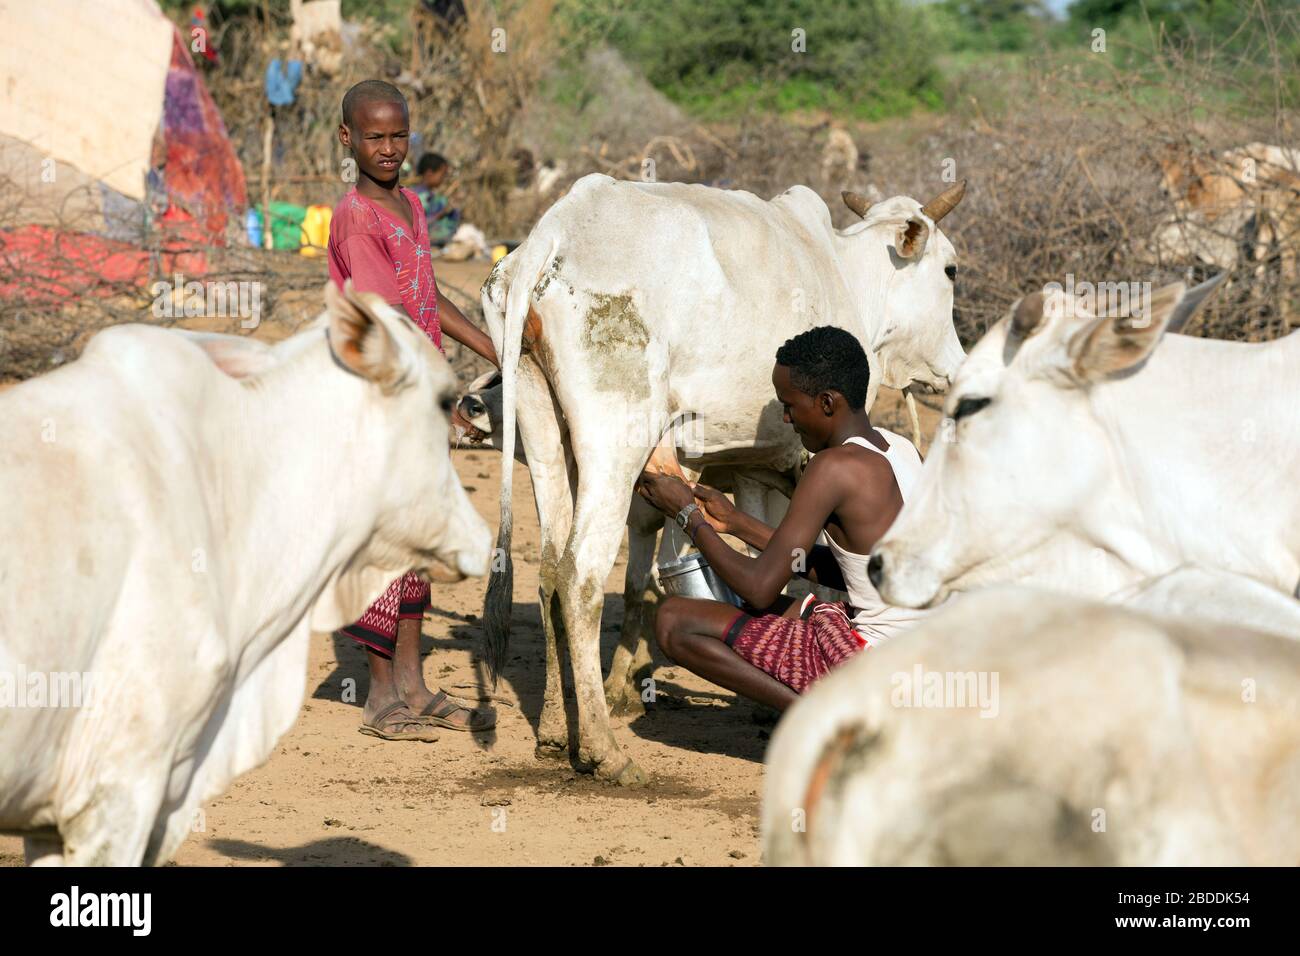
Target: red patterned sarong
407	598
797	651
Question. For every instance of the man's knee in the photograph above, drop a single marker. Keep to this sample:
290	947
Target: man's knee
668	619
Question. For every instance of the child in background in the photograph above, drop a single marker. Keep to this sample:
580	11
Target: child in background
442	219
379	239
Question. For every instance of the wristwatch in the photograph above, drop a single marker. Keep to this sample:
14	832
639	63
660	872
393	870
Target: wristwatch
684	516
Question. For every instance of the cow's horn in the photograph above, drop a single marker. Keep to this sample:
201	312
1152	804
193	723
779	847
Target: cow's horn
1191	302
1027	315
945	202
857	202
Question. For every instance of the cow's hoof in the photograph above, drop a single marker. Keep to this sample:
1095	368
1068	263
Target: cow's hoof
551	750
628	775
625	702
614	697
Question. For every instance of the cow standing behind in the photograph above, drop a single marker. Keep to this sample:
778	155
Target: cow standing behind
1241	206
646	305
180	512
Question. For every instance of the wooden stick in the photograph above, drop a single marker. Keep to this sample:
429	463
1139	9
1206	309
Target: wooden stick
268	137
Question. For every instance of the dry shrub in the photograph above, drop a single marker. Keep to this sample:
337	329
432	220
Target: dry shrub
759	153
1065	183
1068	181
465	93
483	89
56	301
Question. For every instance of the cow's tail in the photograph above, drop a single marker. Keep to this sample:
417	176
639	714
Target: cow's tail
500	590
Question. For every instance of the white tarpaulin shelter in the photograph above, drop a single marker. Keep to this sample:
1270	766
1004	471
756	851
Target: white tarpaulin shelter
83	84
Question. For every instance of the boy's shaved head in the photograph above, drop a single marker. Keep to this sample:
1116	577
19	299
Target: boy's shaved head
369	91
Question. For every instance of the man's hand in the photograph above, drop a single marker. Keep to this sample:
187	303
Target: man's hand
463	428
666	492
716	508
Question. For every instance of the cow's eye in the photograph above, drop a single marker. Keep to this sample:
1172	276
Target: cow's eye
447	403
969	406
951	272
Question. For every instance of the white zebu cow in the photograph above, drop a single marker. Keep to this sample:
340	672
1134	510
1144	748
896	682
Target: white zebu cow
1020	727
180	512
1080	456
1241	205
760	492
645	304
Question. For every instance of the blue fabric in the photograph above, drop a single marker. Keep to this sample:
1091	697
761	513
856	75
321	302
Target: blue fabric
282	81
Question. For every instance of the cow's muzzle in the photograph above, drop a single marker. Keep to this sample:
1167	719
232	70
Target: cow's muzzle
902	582
440	573
875	570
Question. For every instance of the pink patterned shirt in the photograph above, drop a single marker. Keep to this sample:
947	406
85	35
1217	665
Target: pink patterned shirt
382	254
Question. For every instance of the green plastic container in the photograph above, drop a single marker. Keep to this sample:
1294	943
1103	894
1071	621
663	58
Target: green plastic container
286	224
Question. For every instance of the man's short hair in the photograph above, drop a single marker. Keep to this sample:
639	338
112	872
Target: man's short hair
431	163
827	359
370	91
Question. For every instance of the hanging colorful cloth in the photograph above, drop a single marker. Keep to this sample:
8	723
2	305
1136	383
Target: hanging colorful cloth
282	81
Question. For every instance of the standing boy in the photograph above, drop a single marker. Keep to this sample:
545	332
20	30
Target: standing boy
379	239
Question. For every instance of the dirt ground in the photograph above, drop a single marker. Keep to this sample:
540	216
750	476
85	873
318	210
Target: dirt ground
331	796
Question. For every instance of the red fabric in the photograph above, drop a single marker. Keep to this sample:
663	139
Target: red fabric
407	598
50	265
798	652
383	255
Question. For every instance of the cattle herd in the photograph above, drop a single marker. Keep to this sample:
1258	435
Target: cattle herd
1106	527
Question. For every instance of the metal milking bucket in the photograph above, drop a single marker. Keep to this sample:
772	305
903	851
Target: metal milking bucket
691	576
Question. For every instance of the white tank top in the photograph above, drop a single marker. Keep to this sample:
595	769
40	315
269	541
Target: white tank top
875	620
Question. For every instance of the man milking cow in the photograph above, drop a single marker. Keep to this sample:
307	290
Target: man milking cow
773	648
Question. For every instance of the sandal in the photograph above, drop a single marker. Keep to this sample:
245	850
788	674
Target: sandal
445	707
384	729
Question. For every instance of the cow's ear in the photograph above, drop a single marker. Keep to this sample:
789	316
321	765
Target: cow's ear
911	238
360	339
489	379
1113	344
235	356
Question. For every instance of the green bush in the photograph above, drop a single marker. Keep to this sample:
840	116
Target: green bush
870	57
1002	26
1254	44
